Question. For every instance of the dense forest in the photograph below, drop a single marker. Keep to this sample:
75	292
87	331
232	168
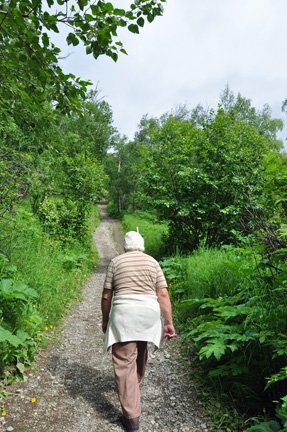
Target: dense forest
207	189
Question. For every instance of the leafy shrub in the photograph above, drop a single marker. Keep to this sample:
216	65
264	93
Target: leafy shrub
230	307
113	210
271	426
20	323
61	219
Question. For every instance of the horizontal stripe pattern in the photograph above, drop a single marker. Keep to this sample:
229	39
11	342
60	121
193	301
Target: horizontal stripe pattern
134	273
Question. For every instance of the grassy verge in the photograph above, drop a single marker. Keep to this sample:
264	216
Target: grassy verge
151	230
232	320
39	282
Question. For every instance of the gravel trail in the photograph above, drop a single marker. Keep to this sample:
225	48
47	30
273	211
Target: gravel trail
73	382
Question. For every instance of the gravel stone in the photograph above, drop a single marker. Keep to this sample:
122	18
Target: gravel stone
74	384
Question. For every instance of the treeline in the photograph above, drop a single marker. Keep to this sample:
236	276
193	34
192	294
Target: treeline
54	137
215	185
48	210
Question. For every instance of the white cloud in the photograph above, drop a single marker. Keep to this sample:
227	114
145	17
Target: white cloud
189	55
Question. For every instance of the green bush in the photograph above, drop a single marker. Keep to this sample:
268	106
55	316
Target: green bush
62	219
230	307
38	284
113	210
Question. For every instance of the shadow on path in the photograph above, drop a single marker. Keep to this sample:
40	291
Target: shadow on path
93	385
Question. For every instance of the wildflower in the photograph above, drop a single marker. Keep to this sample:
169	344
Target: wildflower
34	305
46	328
51	327
6	362
84	275
88	278
95	266
3	413
33	400
40	340
78	300
2	318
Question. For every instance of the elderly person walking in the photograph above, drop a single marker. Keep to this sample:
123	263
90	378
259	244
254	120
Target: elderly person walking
136	289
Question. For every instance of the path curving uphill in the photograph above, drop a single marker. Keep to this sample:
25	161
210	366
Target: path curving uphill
74	386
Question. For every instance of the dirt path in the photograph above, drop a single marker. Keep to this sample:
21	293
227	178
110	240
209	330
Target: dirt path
74	386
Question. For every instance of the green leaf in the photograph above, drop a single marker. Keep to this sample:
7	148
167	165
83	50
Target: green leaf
7	336
119	12
20	287
270	426
133	28
233	347
214	347
5	285
89	49
140	21
20	366
150	18
72	39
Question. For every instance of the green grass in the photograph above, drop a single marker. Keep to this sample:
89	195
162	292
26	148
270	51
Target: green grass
55	273
210	273
151	230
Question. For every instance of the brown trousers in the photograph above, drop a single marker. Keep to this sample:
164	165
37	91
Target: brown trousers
129	360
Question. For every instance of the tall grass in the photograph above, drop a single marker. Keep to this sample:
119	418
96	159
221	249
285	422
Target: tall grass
151	230
56	274
39	281
210	273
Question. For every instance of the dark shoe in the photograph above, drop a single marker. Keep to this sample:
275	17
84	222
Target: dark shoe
131	425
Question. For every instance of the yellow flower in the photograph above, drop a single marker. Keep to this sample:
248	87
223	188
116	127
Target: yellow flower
84	275
40	340
51	326
88	279
95	266
78	300
46	328
3	413
34	305
33	400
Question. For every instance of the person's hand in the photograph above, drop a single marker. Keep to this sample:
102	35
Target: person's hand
168	331
104	327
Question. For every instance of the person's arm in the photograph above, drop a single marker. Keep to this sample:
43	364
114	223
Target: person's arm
165	307
106	307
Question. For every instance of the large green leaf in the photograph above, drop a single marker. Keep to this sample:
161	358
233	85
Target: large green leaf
7	336
270	426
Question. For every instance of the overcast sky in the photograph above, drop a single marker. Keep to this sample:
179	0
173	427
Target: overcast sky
189	55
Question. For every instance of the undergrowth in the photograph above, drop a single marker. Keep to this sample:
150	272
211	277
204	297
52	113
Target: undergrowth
232	318
40	278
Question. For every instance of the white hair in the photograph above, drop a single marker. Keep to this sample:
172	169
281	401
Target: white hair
133	241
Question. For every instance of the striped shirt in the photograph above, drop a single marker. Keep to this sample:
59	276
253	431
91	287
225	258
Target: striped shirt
134	273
